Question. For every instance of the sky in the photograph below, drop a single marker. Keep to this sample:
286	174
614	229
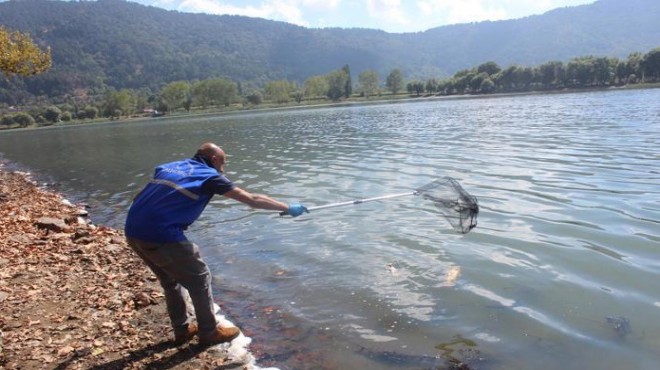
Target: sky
395	16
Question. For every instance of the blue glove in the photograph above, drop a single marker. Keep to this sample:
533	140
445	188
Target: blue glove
296	210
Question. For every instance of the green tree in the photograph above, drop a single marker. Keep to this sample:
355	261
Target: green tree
337	81
118	103
634	67
490	68
394	81
20	56
90	112
368	82
279	91
255	98
651	63
200	93
174	95
223	91
7	120
316	86
214	92
52	114
416	87
579	72
603	72
487	86
66	116
431	86
551	74
461	80
476	81
24	119
348	86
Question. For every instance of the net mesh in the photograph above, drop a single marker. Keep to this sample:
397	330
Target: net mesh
457	205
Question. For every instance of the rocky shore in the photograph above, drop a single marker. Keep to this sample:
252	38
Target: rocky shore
74	296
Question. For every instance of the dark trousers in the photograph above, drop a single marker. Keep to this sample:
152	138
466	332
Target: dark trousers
177	266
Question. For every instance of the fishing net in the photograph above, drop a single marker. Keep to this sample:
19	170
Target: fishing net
457	205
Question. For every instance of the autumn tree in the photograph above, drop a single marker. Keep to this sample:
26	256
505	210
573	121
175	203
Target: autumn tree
20	56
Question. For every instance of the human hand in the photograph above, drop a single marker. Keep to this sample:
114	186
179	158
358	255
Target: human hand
296	210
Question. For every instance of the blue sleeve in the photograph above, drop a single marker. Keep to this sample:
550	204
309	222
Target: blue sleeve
217	185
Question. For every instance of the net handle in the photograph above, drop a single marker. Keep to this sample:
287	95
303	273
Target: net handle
357	201
360	201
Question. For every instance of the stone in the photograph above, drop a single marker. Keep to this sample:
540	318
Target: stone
53	224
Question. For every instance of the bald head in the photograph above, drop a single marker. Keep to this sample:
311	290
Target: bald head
208	150
214	153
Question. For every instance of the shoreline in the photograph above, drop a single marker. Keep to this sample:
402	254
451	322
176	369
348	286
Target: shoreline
74	296
346	103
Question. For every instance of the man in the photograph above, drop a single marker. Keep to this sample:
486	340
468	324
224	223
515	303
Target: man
169	203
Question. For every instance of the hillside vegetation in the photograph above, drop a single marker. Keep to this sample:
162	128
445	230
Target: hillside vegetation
114	44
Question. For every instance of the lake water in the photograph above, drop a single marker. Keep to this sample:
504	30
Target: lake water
561	273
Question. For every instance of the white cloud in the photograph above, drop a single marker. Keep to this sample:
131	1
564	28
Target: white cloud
388	11
288	11
321	4
461	11
392	15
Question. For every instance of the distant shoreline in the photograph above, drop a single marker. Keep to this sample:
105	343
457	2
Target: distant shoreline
346	103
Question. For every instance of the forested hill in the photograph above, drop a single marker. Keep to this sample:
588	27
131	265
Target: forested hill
126	45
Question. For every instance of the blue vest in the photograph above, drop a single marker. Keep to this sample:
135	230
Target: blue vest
170	202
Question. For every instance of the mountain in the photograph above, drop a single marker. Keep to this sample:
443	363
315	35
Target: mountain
119	44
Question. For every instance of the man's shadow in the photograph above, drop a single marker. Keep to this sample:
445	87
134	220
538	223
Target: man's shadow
180	356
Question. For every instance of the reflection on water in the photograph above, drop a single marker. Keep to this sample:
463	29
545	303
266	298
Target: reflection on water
563	261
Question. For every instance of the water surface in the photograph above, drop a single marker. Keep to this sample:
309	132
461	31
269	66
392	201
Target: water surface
562	271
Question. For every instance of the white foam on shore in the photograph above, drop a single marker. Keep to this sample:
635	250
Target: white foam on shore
236	352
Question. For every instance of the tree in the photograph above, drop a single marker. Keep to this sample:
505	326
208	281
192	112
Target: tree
603	71
174	95
394	81
279	91
214	92
7	121
316	86
52	114
432	86
551	74
579	71
90	112
337	81
416	87
20	56
118	103
462	79
489	68
487	86
476	81
368	82
348	86
23	119
255	98
634	66
651	63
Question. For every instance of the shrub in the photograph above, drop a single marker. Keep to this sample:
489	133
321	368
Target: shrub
23	119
